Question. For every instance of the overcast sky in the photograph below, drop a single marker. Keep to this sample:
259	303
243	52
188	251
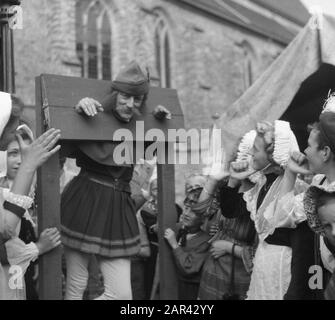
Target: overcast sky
326	5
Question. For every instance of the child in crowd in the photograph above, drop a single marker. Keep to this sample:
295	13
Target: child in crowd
11	161
13	251
50	238
190	246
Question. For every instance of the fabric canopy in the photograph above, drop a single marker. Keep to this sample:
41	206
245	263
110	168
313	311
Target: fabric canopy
293	88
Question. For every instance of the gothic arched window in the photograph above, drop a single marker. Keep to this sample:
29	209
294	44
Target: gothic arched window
93	39
162	48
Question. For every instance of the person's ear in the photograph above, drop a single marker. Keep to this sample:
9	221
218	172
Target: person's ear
326	154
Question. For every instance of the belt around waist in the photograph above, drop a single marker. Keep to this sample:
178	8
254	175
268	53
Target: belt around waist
116	184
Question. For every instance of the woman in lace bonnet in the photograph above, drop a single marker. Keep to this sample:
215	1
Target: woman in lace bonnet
272	273
263	149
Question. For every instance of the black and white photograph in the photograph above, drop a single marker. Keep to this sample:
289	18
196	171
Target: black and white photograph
180	151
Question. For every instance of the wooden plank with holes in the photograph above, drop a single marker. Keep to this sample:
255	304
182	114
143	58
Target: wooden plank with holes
64	92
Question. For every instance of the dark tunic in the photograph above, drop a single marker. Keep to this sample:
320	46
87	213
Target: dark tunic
189	260
98	214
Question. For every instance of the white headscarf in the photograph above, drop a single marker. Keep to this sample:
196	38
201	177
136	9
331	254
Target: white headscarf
285	142
243	153
6	109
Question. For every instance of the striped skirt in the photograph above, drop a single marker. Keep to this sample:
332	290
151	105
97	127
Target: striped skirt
99	218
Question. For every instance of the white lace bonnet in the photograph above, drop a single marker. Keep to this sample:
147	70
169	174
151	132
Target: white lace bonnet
6	109
285	142
243	152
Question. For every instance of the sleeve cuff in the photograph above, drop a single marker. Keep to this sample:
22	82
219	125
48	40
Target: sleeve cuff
17	210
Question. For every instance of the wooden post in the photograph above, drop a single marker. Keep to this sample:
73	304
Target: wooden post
48	209
167	218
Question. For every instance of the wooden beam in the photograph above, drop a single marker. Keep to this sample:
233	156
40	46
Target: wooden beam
48	210
63	94
167	218
104	125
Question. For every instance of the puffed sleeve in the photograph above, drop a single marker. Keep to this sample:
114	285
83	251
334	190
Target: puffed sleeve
289	211
21	254
8	230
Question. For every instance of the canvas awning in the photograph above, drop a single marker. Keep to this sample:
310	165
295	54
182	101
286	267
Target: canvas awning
293	88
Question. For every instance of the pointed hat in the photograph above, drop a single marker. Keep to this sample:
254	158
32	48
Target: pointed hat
131	80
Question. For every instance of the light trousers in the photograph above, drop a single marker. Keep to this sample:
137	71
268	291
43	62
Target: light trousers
116	276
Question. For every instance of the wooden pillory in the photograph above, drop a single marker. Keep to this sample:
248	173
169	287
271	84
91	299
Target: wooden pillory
55	98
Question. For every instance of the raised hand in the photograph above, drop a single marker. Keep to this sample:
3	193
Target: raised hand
39	151
89	106
161	113
298	163
217	171
240	170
